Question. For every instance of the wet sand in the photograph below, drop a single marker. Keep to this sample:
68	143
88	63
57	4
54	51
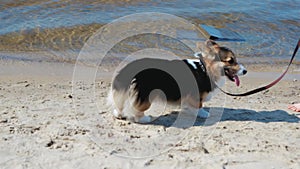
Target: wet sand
44	123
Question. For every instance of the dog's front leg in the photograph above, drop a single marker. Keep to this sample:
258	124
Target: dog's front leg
202	113
193	106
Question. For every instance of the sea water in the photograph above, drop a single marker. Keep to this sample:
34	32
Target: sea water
62	27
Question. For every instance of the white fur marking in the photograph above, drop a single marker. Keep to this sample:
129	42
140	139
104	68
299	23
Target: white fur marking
241	71
192	62
220	83
116	113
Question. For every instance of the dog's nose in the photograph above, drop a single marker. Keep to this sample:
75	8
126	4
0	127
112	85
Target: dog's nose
244	71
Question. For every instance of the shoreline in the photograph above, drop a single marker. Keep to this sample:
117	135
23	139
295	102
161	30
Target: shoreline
257	67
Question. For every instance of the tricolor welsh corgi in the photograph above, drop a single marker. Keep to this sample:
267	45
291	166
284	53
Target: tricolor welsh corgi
176	79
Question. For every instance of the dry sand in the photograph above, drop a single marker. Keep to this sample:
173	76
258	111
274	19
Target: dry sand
46	124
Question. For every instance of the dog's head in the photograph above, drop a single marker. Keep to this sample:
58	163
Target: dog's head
221	61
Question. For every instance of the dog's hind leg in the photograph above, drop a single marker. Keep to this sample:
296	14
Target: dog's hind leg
140	117
135	112
116	100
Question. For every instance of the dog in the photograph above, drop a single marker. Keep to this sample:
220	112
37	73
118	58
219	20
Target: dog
133	86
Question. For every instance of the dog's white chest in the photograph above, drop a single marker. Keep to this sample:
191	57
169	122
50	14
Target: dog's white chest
220	83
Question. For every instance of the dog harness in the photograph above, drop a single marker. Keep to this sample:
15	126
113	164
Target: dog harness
196	63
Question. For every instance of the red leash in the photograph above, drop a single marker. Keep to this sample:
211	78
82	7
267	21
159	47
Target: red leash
269	85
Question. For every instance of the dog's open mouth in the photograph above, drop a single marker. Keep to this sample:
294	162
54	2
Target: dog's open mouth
232	77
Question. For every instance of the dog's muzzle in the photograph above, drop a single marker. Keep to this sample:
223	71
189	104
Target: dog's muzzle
242	70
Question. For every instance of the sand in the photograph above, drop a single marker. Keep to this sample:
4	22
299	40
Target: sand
49	121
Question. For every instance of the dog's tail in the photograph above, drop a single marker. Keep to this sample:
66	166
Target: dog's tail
121	84
117	98
124	77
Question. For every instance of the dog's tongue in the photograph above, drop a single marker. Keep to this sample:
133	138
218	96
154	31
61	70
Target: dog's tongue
236	80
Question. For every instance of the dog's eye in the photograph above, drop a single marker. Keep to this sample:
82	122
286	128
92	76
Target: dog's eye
231	61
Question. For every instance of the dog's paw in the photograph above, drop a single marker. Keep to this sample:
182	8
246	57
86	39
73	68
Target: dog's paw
144	119
117	114
203	113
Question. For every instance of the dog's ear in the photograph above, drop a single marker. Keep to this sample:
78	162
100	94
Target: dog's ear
212	45
209	49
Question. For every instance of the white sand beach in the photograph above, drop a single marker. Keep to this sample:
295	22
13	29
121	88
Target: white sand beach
46	124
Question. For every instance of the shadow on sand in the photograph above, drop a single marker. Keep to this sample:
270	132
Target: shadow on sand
225	114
